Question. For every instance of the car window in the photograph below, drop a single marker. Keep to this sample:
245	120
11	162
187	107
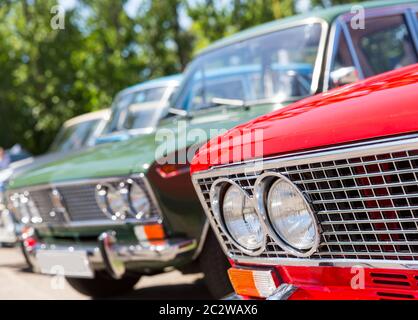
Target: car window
118	106
140	116
75	136
384	44
343	70
149	95
279	64
123	117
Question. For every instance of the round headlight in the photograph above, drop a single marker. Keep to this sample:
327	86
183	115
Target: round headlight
291	216
241	219
138	200
110	201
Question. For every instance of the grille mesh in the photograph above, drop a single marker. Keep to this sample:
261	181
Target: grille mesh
367	207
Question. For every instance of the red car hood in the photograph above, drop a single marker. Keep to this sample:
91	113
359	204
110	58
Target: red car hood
380	106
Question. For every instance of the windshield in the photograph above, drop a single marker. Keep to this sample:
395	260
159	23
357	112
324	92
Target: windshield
74	136
275	65
135	110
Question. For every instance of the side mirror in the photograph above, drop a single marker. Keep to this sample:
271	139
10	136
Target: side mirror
344	76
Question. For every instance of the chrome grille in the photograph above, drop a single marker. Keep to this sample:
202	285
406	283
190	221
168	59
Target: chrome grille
79	201
366	202
44	205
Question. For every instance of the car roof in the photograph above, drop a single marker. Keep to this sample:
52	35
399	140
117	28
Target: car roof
101	114
174	79
327	15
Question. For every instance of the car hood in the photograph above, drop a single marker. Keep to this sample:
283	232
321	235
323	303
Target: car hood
113	159
385	105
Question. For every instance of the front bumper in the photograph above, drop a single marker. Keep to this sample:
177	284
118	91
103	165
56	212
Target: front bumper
335	283
110	255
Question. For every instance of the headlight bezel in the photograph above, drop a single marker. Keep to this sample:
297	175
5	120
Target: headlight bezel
216	194
262	188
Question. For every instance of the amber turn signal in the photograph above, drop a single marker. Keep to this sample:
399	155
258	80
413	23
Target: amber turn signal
253	283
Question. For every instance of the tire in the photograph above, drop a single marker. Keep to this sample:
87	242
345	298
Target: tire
103	286
214	264
28	260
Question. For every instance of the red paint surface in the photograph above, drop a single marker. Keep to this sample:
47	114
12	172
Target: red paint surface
332	283
381	106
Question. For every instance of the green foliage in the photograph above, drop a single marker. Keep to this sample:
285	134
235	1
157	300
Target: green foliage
49	76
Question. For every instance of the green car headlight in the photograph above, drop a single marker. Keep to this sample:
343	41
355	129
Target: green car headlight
110	201
139	204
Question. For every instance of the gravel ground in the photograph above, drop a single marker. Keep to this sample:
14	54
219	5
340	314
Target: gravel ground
16	282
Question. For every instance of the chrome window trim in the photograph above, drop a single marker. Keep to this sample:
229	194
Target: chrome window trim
334	37
359	149
97	222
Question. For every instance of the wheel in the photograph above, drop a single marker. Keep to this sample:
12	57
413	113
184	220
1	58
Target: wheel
103	285
214	264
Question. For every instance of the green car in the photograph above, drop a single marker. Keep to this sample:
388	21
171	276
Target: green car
108	215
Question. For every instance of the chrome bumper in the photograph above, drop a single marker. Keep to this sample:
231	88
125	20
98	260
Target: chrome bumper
113	256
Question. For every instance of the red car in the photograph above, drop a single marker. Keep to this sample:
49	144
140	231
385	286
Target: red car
319	200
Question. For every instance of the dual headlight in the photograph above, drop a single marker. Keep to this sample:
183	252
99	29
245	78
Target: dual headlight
278	209
123	200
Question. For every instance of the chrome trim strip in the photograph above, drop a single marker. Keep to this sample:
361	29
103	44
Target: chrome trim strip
332	49
283	292
343	263
320	58
387	145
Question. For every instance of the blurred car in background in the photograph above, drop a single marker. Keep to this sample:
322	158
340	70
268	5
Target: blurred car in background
75	134
317	210
17	153
116	212
136	110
